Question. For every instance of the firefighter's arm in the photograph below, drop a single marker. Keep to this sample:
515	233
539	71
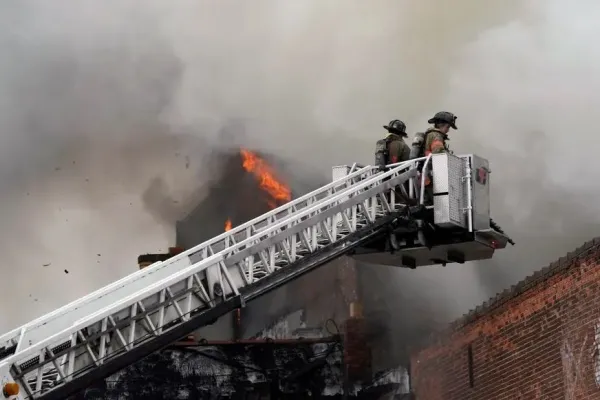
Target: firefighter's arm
395	150
437	144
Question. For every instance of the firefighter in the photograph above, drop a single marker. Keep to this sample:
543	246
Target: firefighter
393	148
433	141
436	137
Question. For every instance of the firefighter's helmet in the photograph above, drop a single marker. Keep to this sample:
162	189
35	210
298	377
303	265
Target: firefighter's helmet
396	126
444	117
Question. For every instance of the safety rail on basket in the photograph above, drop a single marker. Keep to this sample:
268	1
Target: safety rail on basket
416	184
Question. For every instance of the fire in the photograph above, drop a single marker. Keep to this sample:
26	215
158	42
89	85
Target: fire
277	190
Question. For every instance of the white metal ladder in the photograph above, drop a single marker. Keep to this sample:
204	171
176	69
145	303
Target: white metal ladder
115	326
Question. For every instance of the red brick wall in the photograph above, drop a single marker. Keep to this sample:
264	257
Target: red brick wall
536	341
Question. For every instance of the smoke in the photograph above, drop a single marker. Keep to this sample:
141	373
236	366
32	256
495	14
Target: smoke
110	113
527	89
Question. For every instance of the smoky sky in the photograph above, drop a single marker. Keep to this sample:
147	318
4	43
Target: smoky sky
105	103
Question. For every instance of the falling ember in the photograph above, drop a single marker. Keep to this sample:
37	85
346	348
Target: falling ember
279	191
227	225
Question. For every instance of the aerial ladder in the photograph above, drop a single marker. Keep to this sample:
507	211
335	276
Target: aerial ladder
377	216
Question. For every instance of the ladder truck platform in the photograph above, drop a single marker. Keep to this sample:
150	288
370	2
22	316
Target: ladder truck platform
388	217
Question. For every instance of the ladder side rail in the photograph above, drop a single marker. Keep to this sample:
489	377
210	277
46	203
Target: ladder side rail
356	170
344	182
322	217
406	163
414	163
33	362
329	202
253	240
6	338
305	213
110	310
12	337
354	201
35	333
197	268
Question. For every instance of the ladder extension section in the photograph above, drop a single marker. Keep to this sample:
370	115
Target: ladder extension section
117	325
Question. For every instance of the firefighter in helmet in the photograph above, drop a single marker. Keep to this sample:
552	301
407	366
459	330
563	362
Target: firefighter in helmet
433	141
436	137
393	148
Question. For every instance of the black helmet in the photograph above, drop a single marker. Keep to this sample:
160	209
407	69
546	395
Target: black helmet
396	126
444	117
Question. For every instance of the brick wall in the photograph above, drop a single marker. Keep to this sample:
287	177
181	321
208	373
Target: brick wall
537	340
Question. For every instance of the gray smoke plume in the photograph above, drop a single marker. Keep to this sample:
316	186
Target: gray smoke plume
110	111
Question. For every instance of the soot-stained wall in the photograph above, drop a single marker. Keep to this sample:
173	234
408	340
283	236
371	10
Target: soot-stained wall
539	339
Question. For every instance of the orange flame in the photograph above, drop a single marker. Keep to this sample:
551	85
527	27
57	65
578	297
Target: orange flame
268	181
277	190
